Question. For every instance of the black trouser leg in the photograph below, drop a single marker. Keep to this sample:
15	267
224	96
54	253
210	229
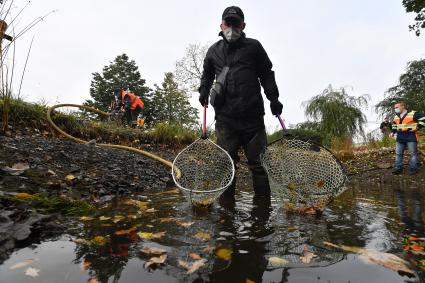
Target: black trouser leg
254	145
229	140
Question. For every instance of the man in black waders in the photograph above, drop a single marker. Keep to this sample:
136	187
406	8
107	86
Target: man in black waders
239	64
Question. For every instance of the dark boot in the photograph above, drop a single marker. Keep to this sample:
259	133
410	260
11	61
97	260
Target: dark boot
261	185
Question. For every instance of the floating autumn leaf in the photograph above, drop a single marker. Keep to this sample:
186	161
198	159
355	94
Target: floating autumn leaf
126	231
307	256
195	256
192	267
167	220
104	218
151	236
151	210
224	253
185	224
99	240
23	195
154	261
86	218
85	264
153	251
142	205
202	236
21	264
32	272
118	218
173	191
386	260
277	262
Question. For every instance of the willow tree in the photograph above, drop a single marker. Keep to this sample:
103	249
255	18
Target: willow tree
336	114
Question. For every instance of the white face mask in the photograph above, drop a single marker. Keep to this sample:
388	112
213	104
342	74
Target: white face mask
232	34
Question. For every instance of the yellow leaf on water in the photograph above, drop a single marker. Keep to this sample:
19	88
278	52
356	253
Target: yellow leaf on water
192	267
185	224
277	262
224	253
118	218
142	205
22	264
151	236
99	240
155	261
104	218
32	272
202	236
153	250
23	195
167	220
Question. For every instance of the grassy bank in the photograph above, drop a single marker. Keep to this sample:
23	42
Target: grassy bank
25	118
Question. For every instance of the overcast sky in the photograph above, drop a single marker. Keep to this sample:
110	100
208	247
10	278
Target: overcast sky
362	44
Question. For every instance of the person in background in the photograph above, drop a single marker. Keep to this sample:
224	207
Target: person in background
132	105
406	125
386	127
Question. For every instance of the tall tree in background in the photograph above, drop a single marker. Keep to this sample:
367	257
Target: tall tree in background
189	69
335	114
410	89
418	7
171	104
120	73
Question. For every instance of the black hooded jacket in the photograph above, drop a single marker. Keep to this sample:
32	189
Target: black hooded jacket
249	66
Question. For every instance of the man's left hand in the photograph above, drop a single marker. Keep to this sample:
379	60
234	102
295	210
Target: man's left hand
276	107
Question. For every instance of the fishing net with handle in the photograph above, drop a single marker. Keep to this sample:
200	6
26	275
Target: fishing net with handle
203	170
304	176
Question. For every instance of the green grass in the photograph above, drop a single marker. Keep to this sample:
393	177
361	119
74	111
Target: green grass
301	134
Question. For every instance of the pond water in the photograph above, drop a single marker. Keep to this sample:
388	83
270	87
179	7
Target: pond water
235	239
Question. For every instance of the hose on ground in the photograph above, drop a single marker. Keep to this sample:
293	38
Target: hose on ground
116	146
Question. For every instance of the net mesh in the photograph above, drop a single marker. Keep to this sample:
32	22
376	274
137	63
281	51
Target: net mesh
302	175
203	170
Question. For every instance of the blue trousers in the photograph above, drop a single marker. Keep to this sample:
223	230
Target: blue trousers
399	151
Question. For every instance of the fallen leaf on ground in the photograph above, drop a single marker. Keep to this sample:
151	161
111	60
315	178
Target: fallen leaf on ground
17	168
307	256
99	240
386	260
192	267
142	205
23	195
22	264
86	218
151	236
33	272
224	253
202	236
85	264
104	218
155	261
277	262
195	256
153	251
70	178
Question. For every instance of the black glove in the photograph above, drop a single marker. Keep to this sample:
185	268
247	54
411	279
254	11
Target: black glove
203	96
276	107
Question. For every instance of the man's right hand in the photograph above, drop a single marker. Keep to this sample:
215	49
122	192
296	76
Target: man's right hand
203	97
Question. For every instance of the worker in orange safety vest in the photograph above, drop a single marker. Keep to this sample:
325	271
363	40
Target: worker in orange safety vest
132	105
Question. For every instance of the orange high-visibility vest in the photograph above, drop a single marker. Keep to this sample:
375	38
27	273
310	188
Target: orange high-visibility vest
134	100
406	124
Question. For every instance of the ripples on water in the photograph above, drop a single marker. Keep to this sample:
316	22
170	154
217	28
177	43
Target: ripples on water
370	216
